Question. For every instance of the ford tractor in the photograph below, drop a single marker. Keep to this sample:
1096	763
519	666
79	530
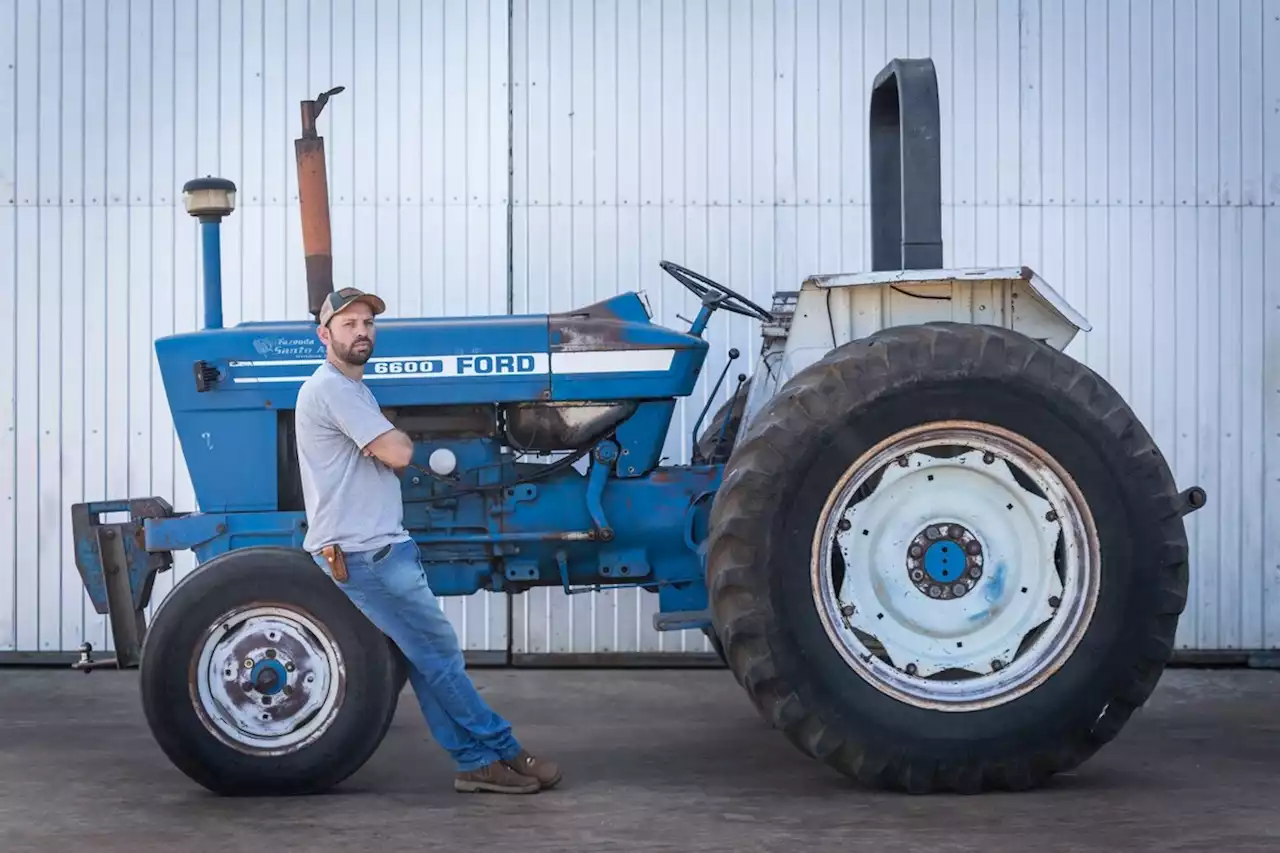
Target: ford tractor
936	552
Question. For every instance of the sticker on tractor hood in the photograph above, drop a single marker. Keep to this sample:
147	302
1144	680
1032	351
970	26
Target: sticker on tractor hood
301	347
482	364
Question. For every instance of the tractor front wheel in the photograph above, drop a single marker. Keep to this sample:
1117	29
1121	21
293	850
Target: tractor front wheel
259	677
947	557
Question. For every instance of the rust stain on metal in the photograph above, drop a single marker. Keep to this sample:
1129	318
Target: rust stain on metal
313	203
593	327
688	476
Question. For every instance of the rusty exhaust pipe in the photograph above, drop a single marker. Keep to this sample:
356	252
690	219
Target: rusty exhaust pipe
313	202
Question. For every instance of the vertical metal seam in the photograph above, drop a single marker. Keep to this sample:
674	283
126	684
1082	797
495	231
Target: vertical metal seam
1262	321
62	391
13	338
1194	534
40	285
1237	246
510	254
84	315
510	202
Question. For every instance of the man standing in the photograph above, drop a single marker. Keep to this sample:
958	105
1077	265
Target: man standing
349	454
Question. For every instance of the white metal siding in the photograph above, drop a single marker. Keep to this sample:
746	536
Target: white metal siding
1125	150
106	109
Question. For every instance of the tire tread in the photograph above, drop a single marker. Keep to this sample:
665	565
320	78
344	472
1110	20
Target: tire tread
865	370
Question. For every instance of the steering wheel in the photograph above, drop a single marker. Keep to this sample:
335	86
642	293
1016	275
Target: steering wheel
715	295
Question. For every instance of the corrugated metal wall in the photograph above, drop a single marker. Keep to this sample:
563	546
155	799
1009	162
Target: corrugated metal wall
106	108
1126	150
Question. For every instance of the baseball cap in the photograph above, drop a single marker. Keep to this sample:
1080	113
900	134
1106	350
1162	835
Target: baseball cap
340	299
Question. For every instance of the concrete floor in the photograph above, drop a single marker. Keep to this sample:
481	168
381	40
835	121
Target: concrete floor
677	757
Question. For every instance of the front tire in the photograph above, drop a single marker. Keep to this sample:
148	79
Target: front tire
947	557
260	677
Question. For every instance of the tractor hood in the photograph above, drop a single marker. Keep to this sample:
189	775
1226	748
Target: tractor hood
608	350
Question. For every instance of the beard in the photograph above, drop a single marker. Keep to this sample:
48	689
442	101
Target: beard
357	353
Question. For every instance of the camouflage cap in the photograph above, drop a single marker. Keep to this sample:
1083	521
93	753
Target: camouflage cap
347	296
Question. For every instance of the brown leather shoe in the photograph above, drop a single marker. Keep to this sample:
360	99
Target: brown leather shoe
546	772
495	778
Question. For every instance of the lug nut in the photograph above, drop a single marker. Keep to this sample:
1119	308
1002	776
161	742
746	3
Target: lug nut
973	548
1054	601
847	610
916	551
266	700
844	524
248	688
271	653
289	667
288	691
248	663
959	589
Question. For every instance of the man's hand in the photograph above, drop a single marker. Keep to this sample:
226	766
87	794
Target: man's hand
393	448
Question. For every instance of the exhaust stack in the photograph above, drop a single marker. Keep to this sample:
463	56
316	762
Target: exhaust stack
906	157
313	202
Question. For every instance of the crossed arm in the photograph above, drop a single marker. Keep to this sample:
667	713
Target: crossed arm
393	448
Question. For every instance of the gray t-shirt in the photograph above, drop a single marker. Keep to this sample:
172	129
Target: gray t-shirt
351	499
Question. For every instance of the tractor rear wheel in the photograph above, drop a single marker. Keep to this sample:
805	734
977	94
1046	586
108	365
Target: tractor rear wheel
947	557
260	677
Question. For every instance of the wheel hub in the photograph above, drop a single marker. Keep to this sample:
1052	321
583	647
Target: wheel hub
945	561
269	677
1000	571
269	680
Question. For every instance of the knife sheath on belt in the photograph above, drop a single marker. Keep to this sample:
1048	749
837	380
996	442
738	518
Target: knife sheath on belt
337	562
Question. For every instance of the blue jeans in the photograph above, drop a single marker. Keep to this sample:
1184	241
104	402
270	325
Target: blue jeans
392	592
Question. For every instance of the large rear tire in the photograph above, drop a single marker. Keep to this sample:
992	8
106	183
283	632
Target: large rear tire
947	557
260	677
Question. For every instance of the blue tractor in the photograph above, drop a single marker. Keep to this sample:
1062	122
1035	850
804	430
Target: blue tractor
935	551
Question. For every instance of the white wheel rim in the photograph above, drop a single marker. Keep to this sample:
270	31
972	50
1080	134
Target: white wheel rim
1026	565
267	680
